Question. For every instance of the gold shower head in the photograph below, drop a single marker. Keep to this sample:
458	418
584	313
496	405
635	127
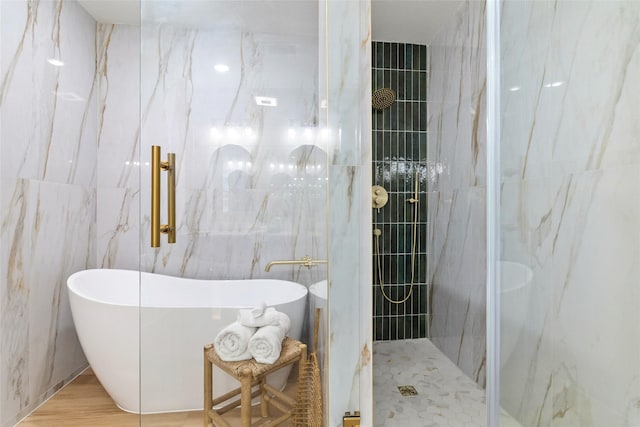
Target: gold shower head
383	98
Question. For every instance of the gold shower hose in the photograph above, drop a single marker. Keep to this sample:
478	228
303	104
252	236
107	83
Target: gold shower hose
377	233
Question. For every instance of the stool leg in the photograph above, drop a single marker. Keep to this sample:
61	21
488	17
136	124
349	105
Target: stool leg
208	392
264	399
245	397
302	361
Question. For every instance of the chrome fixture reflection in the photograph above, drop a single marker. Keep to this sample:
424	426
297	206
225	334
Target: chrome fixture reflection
306	261
156	167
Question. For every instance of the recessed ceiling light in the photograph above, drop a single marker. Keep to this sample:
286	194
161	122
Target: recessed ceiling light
265	101
221	68
55	62
514	88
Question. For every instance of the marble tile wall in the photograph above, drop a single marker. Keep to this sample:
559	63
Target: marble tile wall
347	57
457	191
570	212
251	179
118	166
48	148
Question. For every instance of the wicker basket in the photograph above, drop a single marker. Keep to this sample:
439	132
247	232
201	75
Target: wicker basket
307	411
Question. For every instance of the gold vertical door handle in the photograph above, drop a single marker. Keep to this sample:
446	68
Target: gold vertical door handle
155	196
171	199
156	167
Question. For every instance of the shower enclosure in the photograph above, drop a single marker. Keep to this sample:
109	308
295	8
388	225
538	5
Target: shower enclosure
558	91
255	100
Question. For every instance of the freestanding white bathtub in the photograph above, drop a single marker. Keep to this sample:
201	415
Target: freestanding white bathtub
318	293
143	333
515	296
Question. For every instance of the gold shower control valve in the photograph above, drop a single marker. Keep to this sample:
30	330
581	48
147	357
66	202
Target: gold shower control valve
379	197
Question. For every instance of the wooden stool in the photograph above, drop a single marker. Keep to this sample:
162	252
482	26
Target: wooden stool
250	373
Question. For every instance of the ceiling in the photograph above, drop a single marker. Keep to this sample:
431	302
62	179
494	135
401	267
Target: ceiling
113	11
409	21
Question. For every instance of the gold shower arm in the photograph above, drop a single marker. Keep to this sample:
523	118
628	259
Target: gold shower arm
306	261
156	167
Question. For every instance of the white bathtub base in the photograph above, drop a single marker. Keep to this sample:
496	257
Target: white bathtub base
117	335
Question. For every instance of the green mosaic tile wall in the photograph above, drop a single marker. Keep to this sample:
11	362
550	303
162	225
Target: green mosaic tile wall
399	153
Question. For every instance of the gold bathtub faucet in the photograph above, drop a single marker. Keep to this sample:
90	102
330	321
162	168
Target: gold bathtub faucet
306	261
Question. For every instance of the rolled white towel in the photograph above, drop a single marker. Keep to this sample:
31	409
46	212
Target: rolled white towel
258	310
266	344
232	342
268	317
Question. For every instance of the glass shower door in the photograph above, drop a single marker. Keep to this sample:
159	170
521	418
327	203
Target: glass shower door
569	209
231	88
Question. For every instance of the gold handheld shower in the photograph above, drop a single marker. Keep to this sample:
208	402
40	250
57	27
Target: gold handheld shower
376	232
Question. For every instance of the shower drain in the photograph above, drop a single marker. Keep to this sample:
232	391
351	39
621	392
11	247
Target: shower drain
407	390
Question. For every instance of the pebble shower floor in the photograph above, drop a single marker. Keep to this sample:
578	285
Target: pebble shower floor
445	396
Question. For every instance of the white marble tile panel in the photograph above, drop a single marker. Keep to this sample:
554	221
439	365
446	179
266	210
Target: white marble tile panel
349	117
605	230
365	368
456	191
51	228
48	110
457	277
456	95
344	292
118	63
574	363
118	232
552	354
565	47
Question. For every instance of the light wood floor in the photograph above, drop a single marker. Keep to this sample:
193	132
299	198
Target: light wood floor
85	403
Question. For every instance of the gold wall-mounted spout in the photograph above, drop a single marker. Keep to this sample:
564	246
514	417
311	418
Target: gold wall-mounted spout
306	261
156	167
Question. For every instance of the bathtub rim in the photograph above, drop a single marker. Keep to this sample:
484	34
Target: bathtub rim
295	291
